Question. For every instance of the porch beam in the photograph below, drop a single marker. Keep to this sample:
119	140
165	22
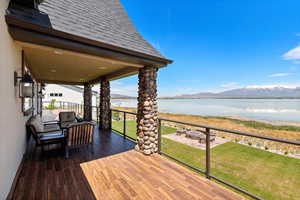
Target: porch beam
147	115
82	55
87	102
127	71
60	82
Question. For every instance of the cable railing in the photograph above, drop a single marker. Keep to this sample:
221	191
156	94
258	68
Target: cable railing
211	134
123	118
70	106
205	154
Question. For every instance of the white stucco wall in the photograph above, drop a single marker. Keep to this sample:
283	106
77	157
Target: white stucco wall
12	121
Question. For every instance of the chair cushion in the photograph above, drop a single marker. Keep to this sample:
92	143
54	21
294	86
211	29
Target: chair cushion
67	117
37	123
52	136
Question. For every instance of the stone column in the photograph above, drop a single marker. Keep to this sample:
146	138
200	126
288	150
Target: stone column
147	115
87	102
105	114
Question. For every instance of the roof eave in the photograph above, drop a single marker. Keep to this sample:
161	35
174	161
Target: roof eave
14	21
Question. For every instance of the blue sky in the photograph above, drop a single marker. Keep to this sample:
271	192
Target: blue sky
219	44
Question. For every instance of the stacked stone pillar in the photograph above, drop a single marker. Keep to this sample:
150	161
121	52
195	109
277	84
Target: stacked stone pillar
105	114
147	115
87	103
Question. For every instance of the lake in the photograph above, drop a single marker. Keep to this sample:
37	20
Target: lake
261	109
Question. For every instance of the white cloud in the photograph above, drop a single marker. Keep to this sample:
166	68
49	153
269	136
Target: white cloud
293	54
230	85
294	68
274	86
280	74
297	62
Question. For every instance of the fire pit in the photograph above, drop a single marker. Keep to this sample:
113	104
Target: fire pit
180	132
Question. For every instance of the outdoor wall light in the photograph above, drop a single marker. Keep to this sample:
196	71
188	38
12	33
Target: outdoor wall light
25	85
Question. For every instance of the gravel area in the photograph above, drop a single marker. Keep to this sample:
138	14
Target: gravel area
194	143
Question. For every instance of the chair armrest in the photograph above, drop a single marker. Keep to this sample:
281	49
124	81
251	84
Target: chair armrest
50	123
89	122
50	131
82	123
79	119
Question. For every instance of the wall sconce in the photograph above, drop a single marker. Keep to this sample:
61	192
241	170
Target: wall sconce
41	94
25	85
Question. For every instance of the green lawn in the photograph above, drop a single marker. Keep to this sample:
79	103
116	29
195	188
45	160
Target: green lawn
131	128
268	175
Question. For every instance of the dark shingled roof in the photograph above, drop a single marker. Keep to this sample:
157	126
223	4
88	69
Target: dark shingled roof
99	20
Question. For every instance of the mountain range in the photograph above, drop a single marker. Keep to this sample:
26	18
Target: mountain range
120	96
248	92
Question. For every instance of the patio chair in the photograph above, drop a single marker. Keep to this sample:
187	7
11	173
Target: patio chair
180	132
42	134
79	135
66	119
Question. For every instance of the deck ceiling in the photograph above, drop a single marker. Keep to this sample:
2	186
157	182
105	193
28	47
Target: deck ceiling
51	65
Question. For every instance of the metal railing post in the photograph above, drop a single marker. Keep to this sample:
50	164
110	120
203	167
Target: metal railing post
97	116
111	118
207	151
159	136
124	125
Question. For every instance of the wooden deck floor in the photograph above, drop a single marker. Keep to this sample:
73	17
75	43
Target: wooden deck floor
114	171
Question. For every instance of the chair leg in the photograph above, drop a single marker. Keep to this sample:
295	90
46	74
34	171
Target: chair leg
92	148
66	152
42	148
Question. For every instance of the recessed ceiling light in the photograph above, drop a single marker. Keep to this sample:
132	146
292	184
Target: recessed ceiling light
57	52
101	68
53	70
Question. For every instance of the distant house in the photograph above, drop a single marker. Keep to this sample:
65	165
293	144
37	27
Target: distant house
67	93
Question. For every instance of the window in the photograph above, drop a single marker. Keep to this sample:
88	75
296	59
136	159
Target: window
55	94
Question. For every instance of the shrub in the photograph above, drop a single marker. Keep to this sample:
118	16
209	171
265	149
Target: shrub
51	105
266	148
116	116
